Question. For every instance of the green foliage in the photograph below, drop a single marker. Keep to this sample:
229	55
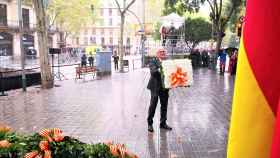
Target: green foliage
156	33
20	144
182	6
222	11
231	40
196	31
152	4
68	148
73	148
176	6
72	15
240	11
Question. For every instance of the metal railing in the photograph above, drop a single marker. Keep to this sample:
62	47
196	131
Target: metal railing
14	25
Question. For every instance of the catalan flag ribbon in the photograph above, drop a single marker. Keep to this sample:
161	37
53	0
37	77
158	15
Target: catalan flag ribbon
255	121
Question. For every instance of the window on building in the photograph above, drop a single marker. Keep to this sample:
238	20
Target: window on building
73	41
86	31
110	12
102	41
3	15
128	41
102	31
111	33
85	41
110	22
93	31
111	41
110	3
61	36
101	11
25	18
92	40
101	22
77	41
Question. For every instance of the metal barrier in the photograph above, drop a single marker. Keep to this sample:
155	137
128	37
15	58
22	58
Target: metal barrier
11	79
1	85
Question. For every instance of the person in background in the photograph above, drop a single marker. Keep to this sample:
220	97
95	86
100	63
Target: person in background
205	58
158	91
84	60
116	60
163	32
193	58
91	60
233	59
223	58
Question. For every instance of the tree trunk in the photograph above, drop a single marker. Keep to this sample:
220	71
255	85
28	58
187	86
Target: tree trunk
219	42
121	46
217	50
47	80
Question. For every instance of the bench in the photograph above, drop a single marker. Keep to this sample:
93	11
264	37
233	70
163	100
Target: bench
84	71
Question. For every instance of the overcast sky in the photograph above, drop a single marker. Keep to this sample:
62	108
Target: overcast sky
205	10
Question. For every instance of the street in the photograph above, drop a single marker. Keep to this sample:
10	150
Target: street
115	109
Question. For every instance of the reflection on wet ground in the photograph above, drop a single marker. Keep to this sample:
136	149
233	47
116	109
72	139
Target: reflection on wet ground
115	108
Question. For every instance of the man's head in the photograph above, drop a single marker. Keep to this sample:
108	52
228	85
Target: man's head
161	54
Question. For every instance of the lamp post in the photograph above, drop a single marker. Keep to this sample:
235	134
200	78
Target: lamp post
23	75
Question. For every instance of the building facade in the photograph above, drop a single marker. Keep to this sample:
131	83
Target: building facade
9	28
105	30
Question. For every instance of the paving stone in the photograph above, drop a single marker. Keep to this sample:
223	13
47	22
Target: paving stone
115	108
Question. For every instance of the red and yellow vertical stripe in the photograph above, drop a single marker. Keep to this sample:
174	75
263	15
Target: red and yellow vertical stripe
255	127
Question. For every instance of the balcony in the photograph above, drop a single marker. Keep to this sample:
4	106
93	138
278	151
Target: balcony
13	25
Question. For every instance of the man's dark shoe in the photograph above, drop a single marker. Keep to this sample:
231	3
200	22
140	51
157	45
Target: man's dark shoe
150	128
166	127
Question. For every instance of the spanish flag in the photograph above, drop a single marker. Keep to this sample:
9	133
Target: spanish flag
255	123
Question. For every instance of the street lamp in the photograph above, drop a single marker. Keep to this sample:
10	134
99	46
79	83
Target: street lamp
23	76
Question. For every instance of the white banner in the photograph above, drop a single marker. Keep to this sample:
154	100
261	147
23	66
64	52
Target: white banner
177	73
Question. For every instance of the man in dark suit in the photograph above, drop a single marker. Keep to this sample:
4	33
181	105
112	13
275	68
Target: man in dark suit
157	89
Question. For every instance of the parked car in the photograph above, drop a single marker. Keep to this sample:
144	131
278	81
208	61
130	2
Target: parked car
31	53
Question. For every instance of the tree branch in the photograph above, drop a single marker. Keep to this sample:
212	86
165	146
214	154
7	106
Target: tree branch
119	7
194	44
53	20
66	35
216	6
212	7
229	16
217	10
188	45
129	5
221	6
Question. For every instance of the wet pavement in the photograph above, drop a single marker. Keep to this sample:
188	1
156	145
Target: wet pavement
115	108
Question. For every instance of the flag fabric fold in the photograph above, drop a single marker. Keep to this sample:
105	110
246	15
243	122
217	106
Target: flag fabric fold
254	122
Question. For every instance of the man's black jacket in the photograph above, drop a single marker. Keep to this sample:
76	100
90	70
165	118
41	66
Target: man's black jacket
155	83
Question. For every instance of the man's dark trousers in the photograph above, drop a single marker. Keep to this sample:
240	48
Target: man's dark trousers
162	95
116	66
